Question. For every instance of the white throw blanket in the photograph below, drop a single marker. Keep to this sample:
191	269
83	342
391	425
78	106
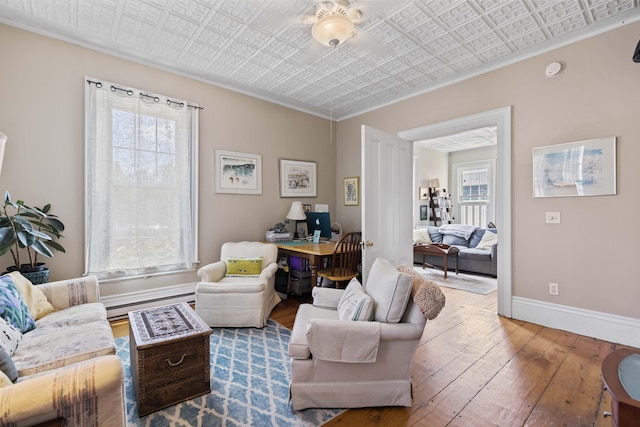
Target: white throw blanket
460	230
343	340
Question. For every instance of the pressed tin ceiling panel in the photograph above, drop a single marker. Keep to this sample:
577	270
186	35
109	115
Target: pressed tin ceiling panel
263	48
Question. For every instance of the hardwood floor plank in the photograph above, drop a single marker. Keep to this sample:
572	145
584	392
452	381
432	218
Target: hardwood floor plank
574	394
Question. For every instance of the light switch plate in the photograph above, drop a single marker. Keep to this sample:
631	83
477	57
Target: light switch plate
552	217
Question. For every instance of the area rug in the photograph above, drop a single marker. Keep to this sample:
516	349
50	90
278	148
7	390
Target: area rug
465	282
250	377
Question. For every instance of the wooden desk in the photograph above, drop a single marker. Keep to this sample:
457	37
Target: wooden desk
314	252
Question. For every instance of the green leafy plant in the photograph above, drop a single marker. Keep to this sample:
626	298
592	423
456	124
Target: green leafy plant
31	230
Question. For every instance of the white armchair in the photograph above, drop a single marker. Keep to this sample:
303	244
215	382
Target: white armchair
243	300
350	364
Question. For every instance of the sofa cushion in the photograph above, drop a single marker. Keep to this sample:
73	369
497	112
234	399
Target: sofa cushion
7	367
10	337
421	236
12	307
4	380
389	289
475	254
476	237
243	266
435	234
355	304
489	239
32	296
450	239
44	349
75	315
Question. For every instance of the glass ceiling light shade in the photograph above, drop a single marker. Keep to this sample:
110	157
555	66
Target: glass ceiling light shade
332	29
296	212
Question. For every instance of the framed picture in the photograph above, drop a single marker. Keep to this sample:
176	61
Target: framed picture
352	191
306	207
583	168
424	193
423	213
297	178
237	173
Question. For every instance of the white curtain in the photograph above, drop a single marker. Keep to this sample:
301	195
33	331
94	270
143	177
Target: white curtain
141	178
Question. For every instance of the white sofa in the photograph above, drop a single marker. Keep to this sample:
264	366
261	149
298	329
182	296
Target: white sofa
349	364
225	300
66	366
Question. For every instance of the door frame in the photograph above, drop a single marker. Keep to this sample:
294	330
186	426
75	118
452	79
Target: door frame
501	118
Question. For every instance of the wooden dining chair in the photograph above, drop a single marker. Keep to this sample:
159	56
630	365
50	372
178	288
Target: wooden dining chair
345	260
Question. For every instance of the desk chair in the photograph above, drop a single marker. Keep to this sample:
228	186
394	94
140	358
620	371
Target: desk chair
345	260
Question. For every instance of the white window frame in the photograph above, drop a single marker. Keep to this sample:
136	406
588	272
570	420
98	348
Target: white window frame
100	180
457	170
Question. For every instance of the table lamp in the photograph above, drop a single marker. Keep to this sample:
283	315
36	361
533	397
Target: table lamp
296	213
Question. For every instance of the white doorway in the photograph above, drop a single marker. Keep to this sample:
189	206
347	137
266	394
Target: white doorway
501	118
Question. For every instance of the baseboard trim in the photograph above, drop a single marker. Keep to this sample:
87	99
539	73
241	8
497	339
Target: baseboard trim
595	324
119	305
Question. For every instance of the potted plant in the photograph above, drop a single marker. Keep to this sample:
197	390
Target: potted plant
27	232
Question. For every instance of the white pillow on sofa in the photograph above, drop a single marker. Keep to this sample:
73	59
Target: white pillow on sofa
421	236
488	239
355	304
389	289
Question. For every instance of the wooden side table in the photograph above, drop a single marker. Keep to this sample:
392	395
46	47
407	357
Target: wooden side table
169	349
625	410
438	249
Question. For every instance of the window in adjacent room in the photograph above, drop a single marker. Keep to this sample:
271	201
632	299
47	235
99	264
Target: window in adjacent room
475	188
141	182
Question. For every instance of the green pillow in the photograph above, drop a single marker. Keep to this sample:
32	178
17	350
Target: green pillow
244	266
13	308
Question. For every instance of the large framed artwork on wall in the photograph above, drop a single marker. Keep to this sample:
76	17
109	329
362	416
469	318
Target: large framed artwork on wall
582	168
297	178
237	173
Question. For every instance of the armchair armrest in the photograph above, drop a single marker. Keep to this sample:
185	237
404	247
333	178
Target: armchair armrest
268	272
343	341
91	391
67	293
213	272
326	297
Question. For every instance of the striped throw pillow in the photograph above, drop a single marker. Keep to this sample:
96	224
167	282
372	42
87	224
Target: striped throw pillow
355	304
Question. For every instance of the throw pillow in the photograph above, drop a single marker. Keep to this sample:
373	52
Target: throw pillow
355	304
426	294
489	239
12	307
389	289
421	236
32	296
10	337
244	266
7	367
4	380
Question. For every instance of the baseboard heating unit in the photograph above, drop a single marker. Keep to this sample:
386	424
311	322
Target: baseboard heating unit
119	305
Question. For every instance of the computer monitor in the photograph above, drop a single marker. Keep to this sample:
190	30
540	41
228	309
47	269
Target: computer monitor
319	221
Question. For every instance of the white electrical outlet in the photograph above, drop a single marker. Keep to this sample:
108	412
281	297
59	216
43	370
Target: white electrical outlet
552	217
554	289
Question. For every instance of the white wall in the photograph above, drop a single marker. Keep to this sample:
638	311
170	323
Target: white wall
430	164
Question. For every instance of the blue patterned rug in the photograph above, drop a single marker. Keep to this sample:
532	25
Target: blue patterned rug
250	377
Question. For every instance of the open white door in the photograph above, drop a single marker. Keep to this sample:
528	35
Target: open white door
386	189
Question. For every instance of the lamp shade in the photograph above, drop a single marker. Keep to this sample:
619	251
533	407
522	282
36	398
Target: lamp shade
434	183
296	212
332	29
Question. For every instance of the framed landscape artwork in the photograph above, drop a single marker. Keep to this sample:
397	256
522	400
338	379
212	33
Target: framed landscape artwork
583	168
423	213
237	173
352	191
297	178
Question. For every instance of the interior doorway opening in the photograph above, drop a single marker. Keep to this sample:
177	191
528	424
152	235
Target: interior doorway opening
501	119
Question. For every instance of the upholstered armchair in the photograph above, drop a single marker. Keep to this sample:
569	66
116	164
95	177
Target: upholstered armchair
354	347
239	290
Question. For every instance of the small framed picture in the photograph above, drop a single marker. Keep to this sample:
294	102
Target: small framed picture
423	213
306	207
351	191
237	173
424	193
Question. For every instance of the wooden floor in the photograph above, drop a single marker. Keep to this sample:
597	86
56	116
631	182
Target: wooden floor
475	368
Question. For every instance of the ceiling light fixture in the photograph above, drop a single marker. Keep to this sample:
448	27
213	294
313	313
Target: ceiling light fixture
332	27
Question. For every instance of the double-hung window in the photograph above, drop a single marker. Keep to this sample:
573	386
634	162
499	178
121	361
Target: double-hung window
141	182
475	192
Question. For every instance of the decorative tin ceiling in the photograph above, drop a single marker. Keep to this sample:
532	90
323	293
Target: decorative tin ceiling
264	49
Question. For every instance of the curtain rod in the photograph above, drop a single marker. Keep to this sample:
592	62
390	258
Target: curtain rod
129	92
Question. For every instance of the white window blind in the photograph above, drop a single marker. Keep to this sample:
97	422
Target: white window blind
141	182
